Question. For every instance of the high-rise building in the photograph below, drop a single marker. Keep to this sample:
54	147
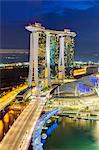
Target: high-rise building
54	51
51	51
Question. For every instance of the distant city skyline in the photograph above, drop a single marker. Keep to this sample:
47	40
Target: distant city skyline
80	16
22	55
14	51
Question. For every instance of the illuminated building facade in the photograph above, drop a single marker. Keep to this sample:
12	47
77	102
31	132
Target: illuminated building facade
58	50
54	50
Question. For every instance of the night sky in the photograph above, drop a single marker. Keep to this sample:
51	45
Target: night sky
79	16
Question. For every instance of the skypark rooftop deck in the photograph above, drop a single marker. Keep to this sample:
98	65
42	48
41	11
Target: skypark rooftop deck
38	27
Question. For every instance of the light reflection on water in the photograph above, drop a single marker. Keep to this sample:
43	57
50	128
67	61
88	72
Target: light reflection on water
96	132
74	135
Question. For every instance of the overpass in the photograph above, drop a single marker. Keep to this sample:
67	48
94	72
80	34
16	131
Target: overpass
9	97
19	135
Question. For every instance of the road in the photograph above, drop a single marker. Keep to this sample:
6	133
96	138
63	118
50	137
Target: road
10	96
19	135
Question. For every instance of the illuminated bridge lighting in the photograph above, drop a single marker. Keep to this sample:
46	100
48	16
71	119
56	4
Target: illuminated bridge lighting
36	140
52	128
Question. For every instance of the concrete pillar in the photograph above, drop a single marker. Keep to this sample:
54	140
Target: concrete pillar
30	61
48	57
33	58
62	48
35	52
61	56
66	52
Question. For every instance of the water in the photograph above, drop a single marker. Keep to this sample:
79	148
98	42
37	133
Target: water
74	135
13	58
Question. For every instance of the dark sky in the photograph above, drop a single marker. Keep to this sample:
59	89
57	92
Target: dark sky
80	16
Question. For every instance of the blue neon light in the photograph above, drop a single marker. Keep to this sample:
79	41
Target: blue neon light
93	80
37	145
43	141
52	128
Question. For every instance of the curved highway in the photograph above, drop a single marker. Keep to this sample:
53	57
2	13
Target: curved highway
19	135
9	97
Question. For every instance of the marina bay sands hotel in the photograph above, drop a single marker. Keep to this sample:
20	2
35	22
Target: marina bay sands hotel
58	49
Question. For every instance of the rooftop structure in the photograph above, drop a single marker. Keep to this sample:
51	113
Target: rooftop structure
83	86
